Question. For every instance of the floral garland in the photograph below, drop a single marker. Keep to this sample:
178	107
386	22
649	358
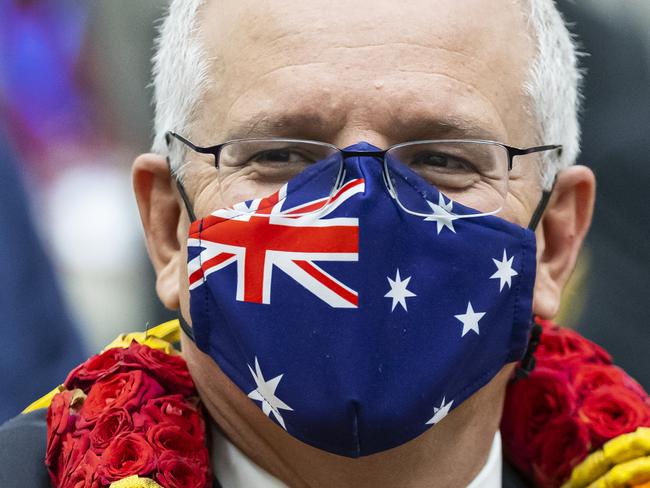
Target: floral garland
128	411
130	417
573	402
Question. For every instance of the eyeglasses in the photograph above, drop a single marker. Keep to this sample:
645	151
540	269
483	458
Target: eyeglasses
471	173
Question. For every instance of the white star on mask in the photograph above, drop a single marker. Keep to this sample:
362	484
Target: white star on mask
440	412
504	272
470	319
398	291
265	393
442	214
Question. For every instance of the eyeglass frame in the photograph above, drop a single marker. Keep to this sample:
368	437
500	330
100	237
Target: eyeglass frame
511	151
215	150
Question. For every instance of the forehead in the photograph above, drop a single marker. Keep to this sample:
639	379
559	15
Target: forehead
398	70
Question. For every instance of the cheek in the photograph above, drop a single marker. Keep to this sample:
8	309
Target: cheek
244	185
515	211
209	199
524	194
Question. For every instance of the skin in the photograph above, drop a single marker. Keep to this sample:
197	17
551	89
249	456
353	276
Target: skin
362	71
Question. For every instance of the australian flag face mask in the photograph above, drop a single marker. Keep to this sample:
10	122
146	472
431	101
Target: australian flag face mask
359	326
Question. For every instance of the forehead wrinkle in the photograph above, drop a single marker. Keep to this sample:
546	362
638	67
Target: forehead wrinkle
463	120
448	127
293	123
272	46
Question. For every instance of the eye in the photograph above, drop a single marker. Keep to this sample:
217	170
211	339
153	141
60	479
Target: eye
284	156
437	160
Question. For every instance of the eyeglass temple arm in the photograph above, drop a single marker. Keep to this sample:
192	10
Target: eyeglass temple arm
531	150
179	184
194	147
515	151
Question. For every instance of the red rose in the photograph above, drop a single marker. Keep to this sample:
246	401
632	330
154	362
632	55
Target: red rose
73	449
85	474
613	410
127	390
61	417
169	437
170	371
175	472
126	455
95	368
589	377
560	446
530	405
173	409
560	347
109	425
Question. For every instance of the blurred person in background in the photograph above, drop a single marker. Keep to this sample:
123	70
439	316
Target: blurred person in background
309	442
608	308
39	341
74	102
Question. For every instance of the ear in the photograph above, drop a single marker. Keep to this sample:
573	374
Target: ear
160	214
560	235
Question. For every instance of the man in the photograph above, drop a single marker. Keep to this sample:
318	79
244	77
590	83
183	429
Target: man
361	76
361	72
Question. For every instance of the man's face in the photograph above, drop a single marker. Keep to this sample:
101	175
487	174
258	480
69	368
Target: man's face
363	71
344	72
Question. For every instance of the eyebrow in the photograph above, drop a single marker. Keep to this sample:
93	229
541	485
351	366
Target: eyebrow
318	126
419	124
299	125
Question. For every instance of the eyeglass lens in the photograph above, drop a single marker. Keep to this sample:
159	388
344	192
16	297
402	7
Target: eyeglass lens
473	174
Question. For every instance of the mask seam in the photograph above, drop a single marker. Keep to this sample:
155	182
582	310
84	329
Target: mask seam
515	312
204	281
524	256
203	278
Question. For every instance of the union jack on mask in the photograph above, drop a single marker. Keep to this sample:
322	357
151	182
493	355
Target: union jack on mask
357	326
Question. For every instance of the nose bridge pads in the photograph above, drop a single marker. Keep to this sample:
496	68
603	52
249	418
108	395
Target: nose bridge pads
367	166
385	177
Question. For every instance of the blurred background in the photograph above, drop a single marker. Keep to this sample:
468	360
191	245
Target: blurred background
75	111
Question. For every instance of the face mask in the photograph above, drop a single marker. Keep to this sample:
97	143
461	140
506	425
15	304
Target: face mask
360	326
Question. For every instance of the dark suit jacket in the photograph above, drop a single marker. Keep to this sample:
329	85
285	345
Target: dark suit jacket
40	344
22	455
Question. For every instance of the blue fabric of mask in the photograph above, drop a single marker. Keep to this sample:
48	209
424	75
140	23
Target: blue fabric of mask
359	327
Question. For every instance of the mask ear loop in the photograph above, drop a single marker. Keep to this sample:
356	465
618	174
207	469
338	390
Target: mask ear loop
186	200
527	364
541	207
185	327
179	185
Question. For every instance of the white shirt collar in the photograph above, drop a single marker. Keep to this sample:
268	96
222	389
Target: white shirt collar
235	470
490	475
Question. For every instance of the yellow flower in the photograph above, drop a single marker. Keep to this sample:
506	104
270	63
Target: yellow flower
135	482
623	461
160	337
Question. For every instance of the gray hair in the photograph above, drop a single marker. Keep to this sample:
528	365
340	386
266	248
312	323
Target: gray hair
181	67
